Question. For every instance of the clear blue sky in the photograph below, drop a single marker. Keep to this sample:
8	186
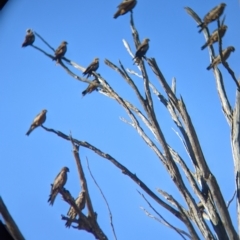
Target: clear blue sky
32	82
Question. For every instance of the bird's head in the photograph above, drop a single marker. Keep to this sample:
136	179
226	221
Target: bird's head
224	27
231	48
146	40
65	169
64	43
223	4
96	59
29	30
44	110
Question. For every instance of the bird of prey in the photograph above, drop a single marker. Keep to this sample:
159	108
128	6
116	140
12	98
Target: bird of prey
58	183
80	202
91	87
38	121
92	67
141	50
213	15
225	55
29	38
61	50
124	7
214	37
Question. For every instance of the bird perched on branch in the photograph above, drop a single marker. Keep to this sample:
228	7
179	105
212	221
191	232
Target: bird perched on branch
38	121
29	38
225	55
91	87
92	67
61	50
58	183
80	202
125	7
213	15
141	50
214	37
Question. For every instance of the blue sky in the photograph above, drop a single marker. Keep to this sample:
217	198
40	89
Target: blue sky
32	82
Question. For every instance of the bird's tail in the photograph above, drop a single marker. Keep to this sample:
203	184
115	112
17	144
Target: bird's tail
52	197
29	131
209	67
202	26
68	223
204	46
84	92
117	14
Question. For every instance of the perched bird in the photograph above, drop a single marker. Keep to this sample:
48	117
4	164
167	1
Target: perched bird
214	37
225	55
92	67
38	121
213	15
80	202
61	50
59	183
29	38
124	7
91	87
141	50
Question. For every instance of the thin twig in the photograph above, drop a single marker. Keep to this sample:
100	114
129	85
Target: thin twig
163	220
229	202
109	210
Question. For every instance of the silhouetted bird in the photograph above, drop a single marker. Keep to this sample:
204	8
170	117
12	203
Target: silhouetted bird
91	87
125	7
225	55
80	202
58	183
213	15
29	38
214	37
38	121
141	50
61	50
92	67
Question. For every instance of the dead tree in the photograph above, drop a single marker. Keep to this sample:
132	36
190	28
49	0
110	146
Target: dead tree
206	205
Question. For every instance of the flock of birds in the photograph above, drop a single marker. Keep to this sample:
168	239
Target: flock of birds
123	8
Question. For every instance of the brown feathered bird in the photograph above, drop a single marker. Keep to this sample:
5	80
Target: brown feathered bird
61	50
29	38
125	7
92	67
80	202
91	87
141	50
225	55
213	15
38	121
58	183
214	37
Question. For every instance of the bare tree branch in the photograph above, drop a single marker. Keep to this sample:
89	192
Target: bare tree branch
109	210
162	219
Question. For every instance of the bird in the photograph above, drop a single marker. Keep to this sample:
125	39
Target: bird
141	50
92	67
80	202
125	7
38	121
225	55
58	183
29	38
61	50
213	15
91	87
214	37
